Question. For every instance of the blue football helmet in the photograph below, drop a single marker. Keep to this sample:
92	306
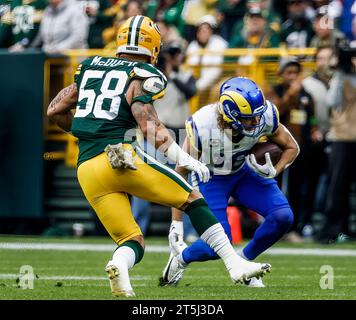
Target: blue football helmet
241	98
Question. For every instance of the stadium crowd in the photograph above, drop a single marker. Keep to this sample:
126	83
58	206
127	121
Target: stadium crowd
318	109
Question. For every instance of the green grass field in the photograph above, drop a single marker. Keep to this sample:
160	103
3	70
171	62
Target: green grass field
80	274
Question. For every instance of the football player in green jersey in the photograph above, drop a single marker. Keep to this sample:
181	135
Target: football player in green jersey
20	21
112	97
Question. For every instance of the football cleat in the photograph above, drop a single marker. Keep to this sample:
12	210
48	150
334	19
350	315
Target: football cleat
254	283
173	272
249	270
119	280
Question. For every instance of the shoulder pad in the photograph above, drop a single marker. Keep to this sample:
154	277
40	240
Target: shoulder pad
142	73
153	85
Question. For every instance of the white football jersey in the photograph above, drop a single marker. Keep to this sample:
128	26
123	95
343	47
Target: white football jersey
223	154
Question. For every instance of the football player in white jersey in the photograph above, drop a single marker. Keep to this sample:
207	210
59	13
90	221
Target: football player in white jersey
221	135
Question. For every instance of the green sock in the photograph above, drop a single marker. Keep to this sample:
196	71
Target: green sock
200	216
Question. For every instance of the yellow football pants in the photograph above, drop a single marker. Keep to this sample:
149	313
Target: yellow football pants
106	190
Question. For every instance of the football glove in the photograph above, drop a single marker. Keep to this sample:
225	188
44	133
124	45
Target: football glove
266	170
198	167
183	159
175	237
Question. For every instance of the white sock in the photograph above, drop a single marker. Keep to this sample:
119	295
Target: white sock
125	254
216	238
124	259
181	260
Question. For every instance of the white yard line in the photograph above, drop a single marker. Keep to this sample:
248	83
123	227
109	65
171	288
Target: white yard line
165	249
76	278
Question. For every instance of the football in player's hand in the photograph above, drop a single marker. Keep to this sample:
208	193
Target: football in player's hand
261	148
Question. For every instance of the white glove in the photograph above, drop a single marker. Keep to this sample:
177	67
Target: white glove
183	159
175	237
198	167
267	170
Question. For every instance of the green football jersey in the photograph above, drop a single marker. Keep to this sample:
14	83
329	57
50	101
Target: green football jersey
103	115
21	22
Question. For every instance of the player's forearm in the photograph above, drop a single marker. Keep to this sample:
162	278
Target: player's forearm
287	158
156	133
177	215
59	110
289	145
160	137
182	171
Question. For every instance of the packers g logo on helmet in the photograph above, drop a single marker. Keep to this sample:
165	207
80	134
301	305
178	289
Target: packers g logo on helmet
139	35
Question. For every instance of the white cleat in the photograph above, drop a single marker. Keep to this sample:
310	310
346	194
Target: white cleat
173	272
249	270
254	283
119	280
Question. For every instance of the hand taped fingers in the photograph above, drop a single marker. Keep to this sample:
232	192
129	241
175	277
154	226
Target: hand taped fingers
119	157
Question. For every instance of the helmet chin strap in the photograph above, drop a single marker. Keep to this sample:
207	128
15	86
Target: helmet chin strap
256	130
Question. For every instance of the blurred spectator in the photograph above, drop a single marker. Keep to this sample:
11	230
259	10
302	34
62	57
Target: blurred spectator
169	33
255	32
325	32
317	86
296	31
206	39
19	22
341	98
99	17
346	16
296	110
230	11
168	10
320	3
273	19
173	108
353	42
5	7
64	26
129	9
193	11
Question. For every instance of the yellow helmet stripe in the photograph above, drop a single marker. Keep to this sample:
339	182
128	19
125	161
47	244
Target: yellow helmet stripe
242	103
